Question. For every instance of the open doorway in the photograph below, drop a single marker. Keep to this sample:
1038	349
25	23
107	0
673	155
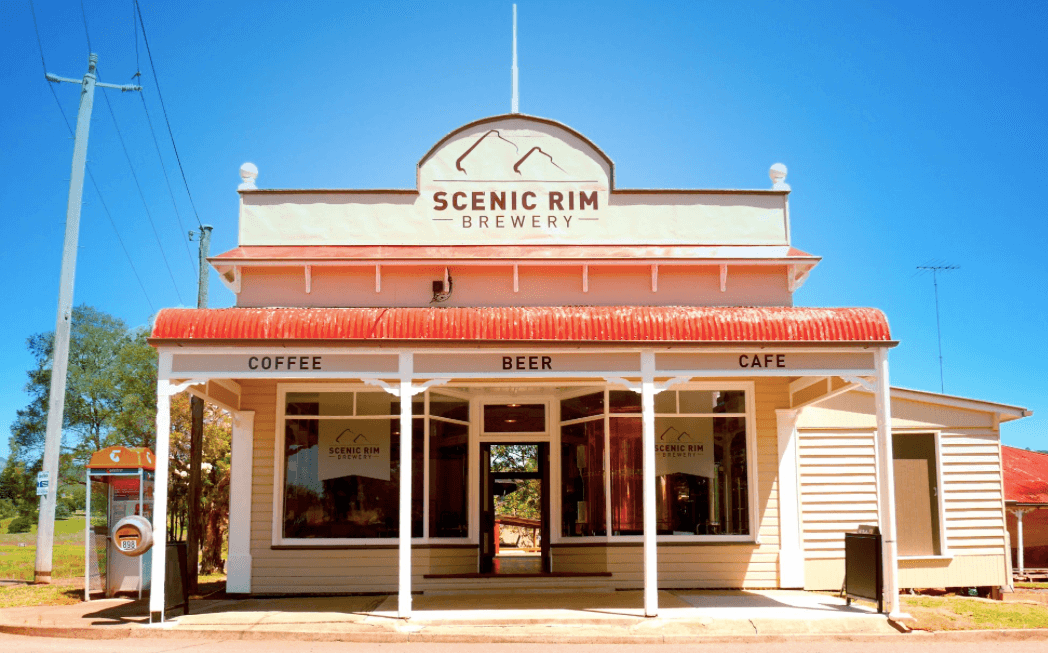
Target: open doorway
514	481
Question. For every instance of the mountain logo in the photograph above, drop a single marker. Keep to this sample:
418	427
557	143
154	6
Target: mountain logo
673	435
495	132
356	438
536	163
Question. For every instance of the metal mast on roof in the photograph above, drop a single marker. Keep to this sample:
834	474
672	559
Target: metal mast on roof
935	270
515	107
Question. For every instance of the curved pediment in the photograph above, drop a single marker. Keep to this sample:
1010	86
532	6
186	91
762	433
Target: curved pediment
516	149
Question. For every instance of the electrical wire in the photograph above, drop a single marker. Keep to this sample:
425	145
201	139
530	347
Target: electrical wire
141	194
83	15
90	174
156	80
167	179
156	144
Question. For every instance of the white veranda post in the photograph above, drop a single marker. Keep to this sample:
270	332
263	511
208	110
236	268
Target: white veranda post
647	403
791	551
238	569
886	485
163	455
404	542
1019	540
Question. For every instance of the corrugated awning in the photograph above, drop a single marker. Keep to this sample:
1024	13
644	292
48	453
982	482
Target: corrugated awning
1025	476
529	324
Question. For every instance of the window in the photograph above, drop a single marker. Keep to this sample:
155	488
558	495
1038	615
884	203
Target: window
448	466
701	462
582	465
342	465
515	418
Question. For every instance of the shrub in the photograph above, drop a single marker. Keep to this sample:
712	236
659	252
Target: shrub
62	511
21	524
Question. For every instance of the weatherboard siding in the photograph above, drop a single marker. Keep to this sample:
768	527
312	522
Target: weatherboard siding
837	478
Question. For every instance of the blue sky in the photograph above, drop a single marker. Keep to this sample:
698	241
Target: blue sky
912	134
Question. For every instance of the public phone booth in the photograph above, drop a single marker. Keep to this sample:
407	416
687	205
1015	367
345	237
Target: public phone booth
126	476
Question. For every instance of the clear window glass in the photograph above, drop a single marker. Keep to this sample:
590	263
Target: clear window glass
582	478
624	401
448	407
702	481
627	461
587	405
515	418
342	476
448	478
701	485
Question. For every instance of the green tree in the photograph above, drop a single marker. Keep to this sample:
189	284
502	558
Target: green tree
525	501
214	479
110	399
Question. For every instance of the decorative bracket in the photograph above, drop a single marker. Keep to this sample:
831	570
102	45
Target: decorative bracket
395	389
868	384
173	388
798	274
638	386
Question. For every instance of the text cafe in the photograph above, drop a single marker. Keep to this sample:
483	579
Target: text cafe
519	375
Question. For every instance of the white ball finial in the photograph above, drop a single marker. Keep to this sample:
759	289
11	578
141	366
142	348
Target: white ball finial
778	177
248	174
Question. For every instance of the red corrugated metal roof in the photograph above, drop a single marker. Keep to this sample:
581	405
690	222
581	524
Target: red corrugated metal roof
561	324
1025	475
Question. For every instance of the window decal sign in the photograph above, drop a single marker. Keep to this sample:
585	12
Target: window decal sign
684	446
354	448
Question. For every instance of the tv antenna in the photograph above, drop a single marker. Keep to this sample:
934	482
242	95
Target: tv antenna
935	270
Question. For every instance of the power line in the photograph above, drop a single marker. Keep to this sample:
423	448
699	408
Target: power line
156	144
170	191
83	14
145	204
90	174
170	133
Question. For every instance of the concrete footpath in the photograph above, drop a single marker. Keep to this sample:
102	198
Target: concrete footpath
584	617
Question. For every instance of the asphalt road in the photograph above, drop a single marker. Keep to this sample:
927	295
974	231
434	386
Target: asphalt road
902	644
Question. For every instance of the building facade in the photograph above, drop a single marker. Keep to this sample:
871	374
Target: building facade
685	425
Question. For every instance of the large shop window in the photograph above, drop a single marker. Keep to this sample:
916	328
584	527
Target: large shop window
701	463
448	466
582	465
342	465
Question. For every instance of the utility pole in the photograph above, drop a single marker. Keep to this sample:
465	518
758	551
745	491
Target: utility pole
196	431
45	531
935	270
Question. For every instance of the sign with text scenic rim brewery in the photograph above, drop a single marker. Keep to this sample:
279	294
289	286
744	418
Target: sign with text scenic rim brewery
513	180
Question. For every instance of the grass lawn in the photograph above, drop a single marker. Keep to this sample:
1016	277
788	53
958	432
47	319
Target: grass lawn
961	613
30	595
63	527
17	562
1032	586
